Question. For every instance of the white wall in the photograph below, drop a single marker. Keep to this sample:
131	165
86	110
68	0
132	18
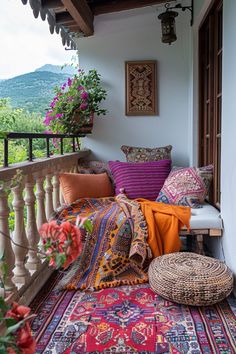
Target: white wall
136	35
228	172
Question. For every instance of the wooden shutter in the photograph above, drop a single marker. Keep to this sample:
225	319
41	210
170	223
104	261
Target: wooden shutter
210	95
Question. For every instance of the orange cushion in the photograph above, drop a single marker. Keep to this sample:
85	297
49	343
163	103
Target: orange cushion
76	185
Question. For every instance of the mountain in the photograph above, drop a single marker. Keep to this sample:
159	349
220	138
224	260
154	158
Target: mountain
57	69
32	91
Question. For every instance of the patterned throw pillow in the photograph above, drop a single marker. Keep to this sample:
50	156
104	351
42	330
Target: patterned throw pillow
94	167
140	180
186	186
141	154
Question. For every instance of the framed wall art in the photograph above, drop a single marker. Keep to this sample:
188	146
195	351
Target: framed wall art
140	82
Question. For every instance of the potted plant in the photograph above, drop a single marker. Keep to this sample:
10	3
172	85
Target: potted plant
75	103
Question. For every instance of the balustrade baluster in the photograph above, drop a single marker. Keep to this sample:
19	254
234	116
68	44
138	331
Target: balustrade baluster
49	200
5	243
33	262
62	200
56	191
21	273
40	198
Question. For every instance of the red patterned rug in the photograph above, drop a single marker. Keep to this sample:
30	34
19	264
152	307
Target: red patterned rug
129	319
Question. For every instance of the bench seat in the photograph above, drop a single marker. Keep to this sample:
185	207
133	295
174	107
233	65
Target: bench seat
205	220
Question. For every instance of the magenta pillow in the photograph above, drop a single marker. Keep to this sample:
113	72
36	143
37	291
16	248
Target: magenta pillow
140	180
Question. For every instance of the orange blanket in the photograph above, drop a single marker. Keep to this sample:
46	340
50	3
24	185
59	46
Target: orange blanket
164	222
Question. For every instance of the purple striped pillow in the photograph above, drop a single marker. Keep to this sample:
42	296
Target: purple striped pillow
140	180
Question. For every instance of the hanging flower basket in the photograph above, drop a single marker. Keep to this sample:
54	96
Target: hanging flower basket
83	125
75	103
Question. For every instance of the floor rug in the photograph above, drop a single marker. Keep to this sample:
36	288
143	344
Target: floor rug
129	319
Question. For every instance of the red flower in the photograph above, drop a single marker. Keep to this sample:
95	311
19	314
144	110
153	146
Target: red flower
24	340
11	351
18	312
64	240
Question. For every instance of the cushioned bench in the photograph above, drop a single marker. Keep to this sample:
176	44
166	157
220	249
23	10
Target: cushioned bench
204	221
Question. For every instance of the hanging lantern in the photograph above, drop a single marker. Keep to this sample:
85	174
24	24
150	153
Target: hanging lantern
168	26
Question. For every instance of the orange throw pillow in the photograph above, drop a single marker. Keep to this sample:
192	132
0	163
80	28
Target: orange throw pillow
76	185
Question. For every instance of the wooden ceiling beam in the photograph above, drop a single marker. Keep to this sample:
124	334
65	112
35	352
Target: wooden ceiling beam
81	13
51	4
73	28
103	8
63	18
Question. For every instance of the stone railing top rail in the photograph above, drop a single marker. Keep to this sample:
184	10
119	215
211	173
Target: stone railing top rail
38	165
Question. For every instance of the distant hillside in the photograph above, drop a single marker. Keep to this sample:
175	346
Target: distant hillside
57	69
32	91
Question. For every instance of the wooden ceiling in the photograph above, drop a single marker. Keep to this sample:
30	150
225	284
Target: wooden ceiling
77	16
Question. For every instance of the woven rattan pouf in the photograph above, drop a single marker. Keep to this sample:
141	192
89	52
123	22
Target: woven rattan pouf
190	278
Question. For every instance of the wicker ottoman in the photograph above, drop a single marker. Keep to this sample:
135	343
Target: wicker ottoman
190	278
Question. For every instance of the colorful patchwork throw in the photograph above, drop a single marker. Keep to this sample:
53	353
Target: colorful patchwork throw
129	319
116	251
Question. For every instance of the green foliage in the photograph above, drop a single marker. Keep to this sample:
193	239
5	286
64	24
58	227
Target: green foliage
19	120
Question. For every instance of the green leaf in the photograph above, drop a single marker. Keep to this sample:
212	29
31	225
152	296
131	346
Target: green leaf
3	306
3	270
88	225
60	259
3	135
14	327
10	321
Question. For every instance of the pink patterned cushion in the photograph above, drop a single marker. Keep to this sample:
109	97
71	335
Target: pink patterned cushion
186	186
140	180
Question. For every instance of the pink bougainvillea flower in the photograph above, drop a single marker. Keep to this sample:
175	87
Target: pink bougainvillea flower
69	82
59	115
80	88
83	106
84	95
47	120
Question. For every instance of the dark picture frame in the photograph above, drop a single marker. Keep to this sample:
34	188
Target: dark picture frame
140	88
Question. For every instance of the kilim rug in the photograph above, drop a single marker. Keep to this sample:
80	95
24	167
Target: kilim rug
129	319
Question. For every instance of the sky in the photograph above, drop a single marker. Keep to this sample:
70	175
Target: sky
26	43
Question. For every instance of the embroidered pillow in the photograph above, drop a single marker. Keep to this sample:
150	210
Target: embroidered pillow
141	154
140	180
76	185
186	186
94	167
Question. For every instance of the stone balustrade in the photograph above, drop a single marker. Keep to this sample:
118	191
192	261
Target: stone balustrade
33	200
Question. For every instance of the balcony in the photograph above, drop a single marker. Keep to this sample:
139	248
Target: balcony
33	200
